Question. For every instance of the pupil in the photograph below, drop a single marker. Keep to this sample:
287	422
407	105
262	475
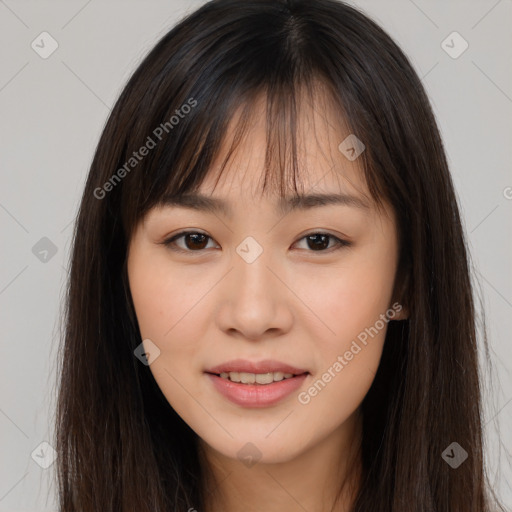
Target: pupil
322	245
194	236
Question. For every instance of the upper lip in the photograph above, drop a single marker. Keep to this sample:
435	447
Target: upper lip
266	366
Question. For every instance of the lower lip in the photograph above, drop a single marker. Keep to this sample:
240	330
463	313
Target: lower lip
257	395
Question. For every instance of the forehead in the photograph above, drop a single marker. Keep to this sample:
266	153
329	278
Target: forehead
258	140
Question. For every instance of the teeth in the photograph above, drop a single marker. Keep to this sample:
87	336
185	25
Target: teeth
258	378
264	378
247	378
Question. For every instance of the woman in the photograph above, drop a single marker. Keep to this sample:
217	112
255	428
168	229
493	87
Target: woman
318	351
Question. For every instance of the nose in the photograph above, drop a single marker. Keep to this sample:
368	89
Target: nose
255	301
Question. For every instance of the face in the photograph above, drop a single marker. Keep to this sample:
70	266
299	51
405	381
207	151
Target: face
293	303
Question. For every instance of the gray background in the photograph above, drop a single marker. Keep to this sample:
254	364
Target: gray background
52	113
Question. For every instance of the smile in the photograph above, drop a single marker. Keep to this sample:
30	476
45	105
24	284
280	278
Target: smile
256	378
259	391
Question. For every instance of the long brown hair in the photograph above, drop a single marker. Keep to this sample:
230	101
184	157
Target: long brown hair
120	445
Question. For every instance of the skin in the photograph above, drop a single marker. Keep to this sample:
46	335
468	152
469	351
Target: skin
293	304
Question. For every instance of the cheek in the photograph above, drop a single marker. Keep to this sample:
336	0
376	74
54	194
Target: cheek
350	349
165	303
351	298
163	297
159	306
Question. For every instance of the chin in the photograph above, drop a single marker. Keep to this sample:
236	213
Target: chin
256	449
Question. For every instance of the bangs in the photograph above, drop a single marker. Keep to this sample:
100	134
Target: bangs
209	137
193	117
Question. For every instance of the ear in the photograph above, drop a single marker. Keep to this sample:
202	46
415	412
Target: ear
400	300
401	311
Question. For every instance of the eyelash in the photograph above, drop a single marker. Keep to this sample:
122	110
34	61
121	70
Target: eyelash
170	242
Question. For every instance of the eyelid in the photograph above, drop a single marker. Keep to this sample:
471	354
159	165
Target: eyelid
340	242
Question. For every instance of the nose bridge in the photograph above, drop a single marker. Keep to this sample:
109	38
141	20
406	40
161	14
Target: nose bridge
252	277
254	297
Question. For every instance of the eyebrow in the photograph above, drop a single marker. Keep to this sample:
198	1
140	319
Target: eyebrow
202	203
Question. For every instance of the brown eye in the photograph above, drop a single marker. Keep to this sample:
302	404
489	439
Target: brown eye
194	241
320	242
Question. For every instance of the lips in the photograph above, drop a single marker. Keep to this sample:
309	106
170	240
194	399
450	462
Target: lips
256	395
245	366
256	384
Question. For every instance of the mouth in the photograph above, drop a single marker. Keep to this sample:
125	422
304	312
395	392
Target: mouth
256	378
261	384
262	372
